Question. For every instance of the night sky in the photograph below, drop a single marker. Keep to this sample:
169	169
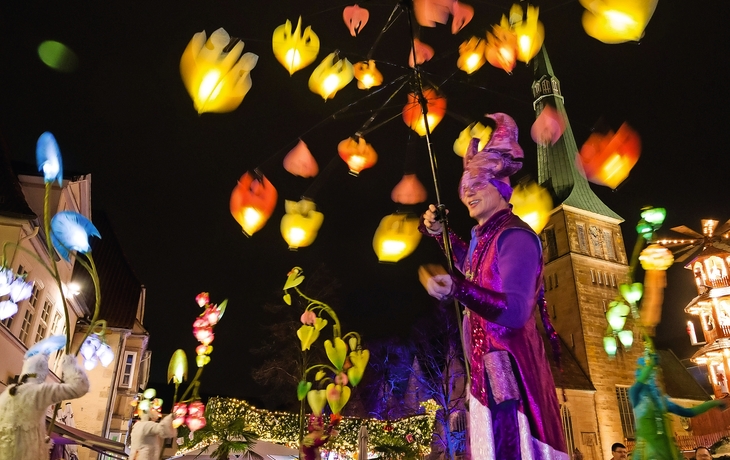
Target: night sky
164	174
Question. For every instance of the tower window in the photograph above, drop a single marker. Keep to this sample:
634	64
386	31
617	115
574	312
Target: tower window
551	245
624	410
595	237
582	241
567	427
608	243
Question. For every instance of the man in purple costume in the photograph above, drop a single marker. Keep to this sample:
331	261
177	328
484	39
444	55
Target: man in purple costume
513	407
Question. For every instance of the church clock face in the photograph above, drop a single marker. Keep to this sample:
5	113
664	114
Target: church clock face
594	234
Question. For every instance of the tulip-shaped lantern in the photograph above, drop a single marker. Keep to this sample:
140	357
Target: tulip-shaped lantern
422	53
295	49
409	191
215	74
252	202
357	153
330	76
300	162
608	158
413	113
462	15
501	50
397	236
471	55
355	18
300	224
529	31
548	127
610	345
655	259
617	21
616	315
475	129
533	204
367	75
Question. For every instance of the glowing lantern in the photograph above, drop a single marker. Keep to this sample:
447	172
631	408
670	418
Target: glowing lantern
215	74
295	50
655	259
397	236
330	76
357	153
476	129
300	162
608	158
423	53
610	345
548	127
355	18
413	115
471	55
300	224
252	202
631	292
195	423
177	369
626	338
501	50
533	204
367	75
57	56
179	411
409	190
463	14
530	32
617	21
430	12
616	315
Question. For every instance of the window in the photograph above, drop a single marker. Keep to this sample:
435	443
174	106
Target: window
596	245
605	278
593	276
608	243
551	245
624	409
128	369
42	328
613	280
556	279
567	427
582	243
56	321
8	322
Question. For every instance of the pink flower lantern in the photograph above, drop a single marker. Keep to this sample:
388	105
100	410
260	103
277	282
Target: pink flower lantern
409	190
423	53
355	18
300	162
548	127
463	14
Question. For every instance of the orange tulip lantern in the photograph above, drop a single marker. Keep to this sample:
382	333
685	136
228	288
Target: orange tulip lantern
530	32
215	74
300	224
409	191
548	127
367	75
252	202
422	51
295	50
330	76
617	21
300	162
358	154
655	259
462	15
476	129
430	12
532	204
397	236
471	55
355	18
413	116
608	158
501	50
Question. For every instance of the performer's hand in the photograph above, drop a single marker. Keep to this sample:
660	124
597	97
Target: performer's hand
431	219
439	286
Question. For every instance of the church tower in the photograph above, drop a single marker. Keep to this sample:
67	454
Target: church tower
585	262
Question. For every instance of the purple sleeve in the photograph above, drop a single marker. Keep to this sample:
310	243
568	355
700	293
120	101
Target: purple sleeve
459	247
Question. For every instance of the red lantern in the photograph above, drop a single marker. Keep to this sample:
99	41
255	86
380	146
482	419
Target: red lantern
204	335
212	314
413	116
253	201
196	409
502	47
300	162
195	423
409	190
358	154
548	127
608	158
179	412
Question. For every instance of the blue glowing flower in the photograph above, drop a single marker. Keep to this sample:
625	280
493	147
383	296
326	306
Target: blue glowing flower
70	231
47	345
48	158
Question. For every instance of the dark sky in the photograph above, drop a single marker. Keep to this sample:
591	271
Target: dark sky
164	174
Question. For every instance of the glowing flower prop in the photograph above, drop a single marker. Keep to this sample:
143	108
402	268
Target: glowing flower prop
302	388
430	12
608	158
336	352
6	279
409	190
300	224
617	21
179	412
317	399
19	290
295	50
309	334
330	76
616	315
548	127
655	259
204	335
413	114
533	204
463	14
501	50
47	346
70	231
202	299
48	158
308	317
7	309
300	162
358	154
475	129
359	360
631	292
355	18
367	75
252	202
337	397
195	419
610	345
529	31
423	53
215	74
294	279
202	360
397	237
177	370
471	55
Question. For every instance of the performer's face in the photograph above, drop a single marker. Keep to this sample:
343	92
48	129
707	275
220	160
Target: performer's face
703	454
480	197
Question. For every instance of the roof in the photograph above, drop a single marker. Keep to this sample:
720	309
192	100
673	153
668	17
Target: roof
556	166
120	287
681	385
572	377
64	434
12	200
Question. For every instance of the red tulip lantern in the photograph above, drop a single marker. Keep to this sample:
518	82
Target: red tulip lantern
179	412
355	18
252	202
300	162
462	15
409	190
358	154
608	158
548	127
413	116
195	419
502	46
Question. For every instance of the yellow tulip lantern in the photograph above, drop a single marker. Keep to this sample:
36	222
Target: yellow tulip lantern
295	49
533	204
397	236
501	49
253	201
300	224
475	129
358	154
330	76
215	74
617	21
530	32
367	75
471	55
655	259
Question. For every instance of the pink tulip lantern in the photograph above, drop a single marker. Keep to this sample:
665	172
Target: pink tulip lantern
548	127
300	162
409	190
